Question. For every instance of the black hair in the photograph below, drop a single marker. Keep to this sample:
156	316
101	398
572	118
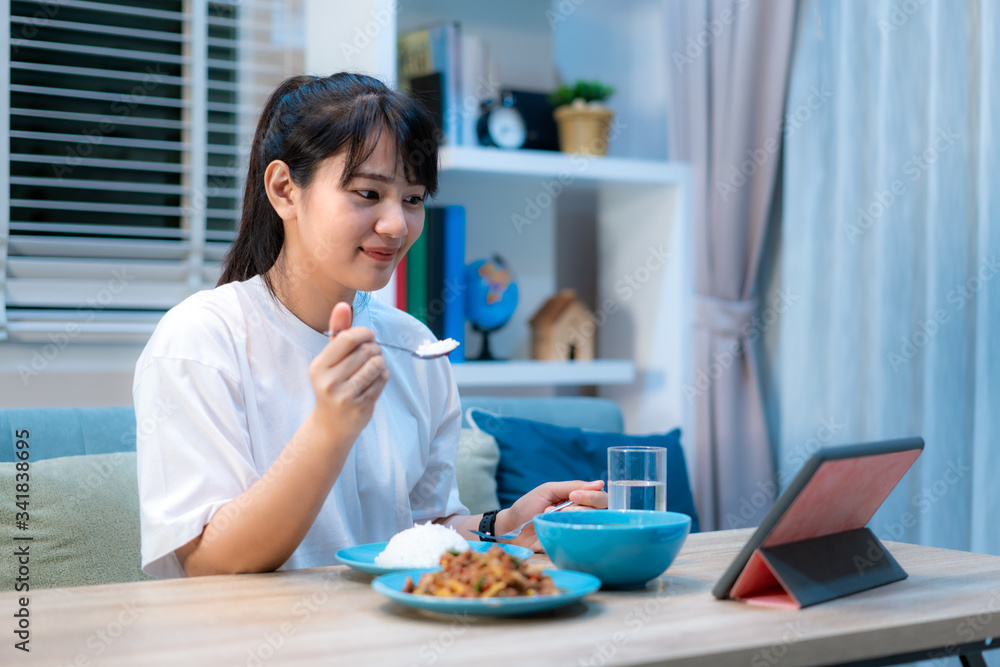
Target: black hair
308	119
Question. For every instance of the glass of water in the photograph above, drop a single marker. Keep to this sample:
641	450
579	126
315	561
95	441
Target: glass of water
637	478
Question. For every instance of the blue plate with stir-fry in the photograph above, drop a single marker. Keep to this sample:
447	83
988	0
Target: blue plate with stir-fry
486	584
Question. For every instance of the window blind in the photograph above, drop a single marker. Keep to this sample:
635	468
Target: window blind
129	125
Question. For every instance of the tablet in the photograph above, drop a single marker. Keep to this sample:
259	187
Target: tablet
823	512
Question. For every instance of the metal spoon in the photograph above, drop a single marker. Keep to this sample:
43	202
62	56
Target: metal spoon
419	353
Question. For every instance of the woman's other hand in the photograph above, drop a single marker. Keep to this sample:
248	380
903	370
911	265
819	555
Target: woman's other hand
585	496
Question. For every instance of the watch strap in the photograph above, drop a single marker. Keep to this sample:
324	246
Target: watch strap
488	525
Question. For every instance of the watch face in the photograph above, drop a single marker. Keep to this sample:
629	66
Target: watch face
506	127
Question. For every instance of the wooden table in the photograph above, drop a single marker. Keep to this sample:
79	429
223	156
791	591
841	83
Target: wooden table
331	616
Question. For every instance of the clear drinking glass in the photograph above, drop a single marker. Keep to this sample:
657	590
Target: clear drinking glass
637	478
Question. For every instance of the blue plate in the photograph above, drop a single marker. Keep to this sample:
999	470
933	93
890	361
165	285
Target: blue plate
572	587
362	557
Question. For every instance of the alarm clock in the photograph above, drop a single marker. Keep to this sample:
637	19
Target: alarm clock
501	125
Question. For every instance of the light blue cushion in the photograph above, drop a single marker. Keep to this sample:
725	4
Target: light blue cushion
532	453
56	432
586	412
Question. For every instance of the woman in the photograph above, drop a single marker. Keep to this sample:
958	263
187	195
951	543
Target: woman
279	445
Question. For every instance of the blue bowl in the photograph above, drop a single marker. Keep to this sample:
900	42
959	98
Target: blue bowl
624	549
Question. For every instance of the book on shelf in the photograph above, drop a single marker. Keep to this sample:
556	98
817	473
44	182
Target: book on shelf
475	84
428	51
450	72
428	88
416	277
454	279
435	280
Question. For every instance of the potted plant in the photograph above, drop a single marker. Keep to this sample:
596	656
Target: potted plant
582	120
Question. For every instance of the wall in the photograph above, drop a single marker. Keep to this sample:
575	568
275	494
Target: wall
77	374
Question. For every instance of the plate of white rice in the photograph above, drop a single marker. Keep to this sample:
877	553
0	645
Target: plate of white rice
419	547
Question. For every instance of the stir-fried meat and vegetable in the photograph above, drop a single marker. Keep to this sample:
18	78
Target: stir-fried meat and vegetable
473	574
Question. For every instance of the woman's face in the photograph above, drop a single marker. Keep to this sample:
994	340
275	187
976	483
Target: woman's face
349	238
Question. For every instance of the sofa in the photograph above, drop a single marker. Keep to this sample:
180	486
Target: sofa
80	497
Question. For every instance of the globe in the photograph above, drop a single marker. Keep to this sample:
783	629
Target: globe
490	297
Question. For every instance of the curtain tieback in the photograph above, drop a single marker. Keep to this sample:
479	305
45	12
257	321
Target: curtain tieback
723	317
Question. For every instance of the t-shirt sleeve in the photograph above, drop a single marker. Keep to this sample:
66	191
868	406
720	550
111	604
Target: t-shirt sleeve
193	452
436	494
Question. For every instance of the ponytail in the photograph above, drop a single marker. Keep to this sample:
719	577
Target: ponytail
261	233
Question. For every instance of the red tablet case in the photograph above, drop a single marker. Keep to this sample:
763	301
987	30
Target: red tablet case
820	549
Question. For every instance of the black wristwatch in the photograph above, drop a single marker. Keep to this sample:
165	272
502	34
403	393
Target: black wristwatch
488	525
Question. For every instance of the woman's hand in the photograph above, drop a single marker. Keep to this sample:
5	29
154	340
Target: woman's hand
347	376
585	495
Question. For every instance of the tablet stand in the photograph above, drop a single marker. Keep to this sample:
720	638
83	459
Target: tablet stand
803	573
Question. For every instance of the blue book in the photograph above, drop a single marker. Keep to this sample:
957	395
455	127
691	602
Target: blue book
454	279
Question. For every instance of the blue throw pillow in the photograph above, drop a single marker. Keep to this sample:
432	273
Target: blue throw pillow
532	453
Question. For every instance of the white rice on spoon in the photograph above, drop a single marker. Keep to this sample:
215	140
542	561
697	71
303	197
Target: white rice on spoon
420	546
429	347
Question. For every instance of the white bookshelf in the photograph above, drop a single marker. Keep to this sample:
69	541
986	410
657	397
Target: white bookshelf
532	165
640	195
633	206
543	373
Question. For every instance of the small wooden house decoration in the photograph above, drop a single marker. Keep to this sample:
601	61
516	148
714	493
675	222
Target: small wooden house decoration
563	329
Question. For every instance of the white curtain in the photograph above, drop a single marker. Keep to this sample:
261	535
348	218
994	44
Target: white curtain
891	235
728	73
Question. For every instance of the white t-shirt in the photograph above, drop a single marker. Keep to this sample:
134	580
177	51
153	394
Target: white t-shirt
222	386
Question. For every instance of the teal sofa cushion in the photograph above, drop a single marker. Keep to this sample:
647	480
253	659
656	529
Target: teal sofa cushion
55	432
